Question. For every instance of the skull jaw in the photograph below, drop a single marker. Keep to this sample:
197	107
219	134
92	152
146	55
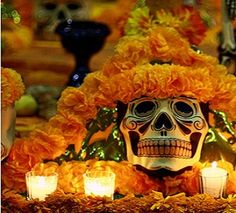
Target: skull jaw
171	164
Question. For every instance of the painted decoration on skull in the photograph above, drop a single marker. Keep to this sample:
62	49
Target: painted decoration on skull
164	133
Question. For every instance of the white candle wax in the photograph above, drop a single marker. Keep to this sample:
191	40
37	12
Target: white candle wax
40	186
213	180
99	183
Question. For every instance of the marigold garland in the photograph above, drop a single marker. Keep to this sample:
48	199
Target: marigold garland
12	87
191	74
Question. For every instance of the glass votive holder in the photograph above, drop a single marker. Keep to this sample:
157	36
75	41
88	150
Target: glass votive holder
213	181
40	186
99	183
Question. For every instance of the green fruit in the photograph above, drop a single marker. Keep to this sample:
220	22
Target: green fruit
26	106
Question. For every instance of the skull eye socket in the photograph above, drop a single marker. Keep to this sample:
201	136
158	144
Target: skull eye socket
183	109
49	6
73	6
145	108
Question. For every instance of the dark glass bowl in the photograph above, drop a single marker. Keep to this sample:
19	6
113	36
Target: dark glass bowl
82	37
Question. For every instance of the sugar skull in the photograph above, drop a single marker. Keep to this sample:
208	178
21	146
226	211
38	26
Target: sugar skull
48	13
164	133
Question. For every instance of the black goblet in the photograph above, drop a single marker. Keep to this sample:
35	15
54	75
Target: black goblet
83	39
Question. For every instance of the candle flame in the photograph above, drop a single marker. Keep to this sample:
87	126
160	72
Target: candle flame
214	164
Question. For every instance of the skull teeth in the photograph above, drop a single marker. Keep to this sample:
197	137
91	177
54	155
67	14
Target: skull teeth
164	148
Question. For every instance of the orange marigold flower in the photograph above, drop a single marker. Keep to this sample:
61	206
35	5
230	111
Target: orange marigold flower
117	84
186	20
92	82
116	65
71	128
192	25
20	160
92	86
134	48
225	93
190	183
181	55
12	86
74	101
46	145
159	46
71	176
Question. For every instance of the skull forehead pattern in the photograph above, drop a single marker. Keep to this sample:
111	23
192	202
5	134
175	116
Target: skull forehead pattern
155	129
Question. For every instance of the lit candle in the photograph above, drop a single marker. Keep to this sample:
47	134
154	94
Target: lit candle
40	186
213	180
99	183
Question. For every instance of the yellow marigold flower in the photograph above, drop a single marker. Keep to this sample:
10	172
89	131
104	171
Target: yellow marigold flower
12	86
140	22
166	18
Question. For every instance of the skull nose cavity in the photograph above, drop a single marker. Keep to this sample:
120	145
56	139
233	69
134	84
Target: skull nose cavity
163	121
61	15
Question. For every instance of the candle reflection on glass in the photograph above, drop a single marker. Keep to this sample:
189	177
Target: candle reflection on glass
213	180
99	183
38	186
